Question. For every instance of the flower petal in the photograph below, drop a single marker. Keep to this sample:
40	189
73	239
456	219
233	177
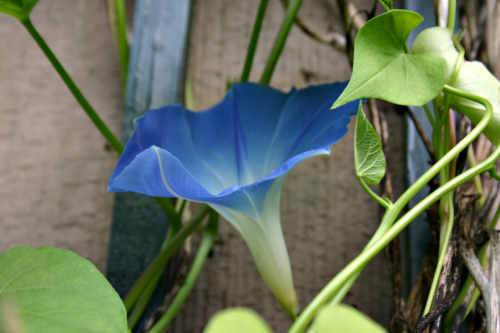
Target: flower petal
234	157
264	238
254	132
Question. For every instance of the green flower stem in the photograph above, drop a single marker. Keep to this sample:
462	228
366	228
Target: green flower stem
290	15
143	301
201	255
147	293
145	297
163	257
168	208
254	39
391	215
118	16
450	316
89	110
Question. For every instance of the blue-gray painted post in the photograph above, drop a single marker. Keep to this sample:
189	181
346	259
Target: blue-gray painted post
155	79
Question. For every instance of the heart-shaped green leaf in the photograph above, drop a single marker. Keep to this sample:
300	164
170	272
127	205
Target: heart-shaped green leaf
53	290
369	156
20	9
382	68
239	320
344	319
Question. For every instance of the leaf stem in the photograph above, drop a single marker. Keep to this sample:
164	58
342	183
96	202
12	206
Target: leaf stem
429	115
254	40
163	257
381	201
206	244
89	110
452	8
279	43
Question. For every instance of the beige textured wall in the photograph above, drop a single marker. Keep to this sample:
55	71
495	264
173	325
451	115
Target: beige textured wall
53	163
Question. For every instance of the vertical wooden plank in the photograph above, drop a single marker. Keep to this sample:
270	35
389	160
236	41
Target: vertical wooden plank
155	79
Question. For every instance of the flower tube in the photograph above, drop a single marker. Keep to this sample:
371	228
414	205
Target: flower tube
234	157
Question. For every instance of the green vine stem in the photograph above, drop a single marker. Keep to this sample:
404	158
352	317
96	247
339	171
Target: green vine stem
145	297
290	15
359	262
471	159
381	201
339	296
118	19
147	293
494	174
446	208
163	257
391	215
89	110
254	39
445	240
206	244
452	8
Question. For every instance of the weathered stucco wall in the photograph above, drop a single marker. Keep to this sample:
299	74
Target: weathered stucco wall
53	163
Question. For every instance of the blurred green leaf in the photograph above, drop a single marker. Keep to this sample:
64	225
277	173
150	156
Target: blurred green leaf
369	156
344	319
238	320
19	9
473	78
383	69
56	291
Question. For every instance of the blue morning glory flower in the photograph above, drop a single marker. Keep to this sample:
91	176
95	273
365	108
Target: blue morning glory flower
234	157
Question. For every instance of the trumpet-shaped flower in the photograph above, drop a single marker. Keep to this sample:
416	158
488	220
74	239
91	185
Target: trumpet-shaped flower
234	157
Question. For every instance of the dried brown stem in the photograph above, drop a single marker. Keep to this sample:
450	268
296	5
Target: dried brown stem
334	39
488	288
